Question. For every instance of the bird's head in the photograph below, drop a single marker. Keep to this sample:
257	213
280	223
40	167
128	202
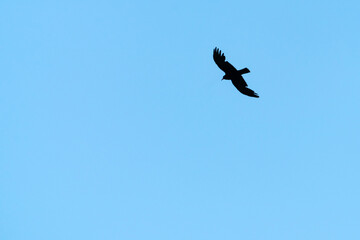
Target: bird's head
225	77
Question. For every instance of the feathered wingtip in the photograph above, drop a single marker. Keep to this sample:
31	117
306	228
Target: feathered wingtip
249	92
217	52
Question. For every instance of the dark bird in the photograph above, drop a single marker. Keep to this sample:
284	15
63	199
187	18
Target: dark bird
231	73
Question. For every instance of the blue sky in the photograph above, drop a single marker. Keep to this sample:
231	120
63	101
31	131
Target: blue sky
115	124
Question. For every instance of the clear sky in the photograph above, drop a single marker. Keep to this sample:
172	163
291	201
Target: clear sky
114	123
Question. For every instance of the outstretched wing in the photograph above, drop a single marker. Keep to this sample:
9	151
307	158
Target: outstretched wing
249	92
241	85
219	59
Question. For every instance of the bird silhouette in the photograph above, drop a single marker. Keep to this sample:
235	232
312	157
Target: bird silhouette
231	73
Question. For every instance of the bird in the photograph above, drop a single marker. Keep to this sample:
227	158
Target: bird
231	73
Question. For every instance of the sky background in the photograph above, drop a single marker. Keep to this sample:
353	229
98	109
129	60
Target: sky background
114	123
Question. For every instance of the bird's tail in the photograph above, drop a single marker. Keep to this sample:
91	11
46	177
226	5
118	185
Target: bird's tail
243	71
249	92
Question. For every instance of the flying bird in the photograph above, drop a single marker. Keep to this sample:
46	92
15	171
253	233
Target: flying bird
231	73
